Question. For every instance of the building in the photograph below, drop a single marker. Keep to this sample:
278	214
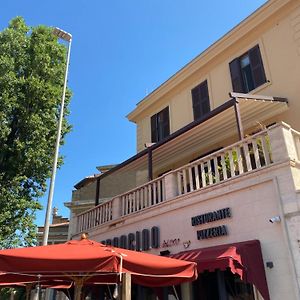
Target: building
58	234
216	177
58	230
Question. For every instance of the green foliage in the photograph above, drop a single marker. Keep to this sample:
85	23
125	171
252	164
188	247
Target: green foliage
19	293
32	66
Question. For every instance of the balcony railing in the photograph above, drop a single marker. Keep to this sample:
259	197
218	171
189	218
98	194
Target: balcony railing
95	216
142	197
249	154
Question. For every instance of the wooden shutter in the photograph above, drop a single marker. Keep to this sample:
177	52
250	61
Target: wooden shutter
236	76
196	103
160	125
200	98
205	106
154	128
165	125
257	67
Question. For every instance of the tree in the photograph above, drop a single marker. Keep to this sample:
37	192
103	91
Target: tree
32	65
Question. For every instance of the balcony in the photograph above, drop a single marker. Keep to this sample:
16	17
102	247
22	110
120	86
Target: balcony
279	143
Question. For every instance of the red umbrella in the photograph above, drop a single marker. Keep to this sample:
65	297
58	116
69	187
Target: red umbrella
87	261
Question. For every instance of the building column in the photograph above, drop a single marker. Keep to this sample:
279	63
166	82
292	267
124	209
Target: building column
116	208
287	186
170	183
282	143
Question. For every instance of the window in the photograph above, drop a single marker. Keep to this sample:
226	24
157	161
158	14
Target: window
200	100
221	285
160	125
247	71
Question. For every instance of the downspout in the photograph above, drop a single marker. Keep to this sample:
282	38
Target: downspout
97	191
150	167
287	238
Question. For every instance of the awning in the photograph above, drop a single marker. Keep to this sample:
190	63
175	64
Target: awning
243	113
91	262
244	259
212	129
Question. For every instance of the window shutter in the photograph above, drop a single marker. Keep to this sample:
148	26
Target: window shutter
236	76
154	129
160	125
205	106
196	103
257	67
200	100
165	122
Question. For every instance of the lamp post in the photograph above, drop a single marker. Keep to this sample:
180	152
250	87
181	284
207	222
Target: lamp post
68	38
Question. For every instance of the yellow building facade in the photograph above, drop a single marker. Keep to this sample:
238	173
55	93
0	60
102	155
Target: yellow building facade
275	29
217	168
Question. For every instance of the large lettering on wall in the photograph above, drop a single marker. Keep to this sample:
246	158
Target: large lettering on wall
208	218
140	240
211	216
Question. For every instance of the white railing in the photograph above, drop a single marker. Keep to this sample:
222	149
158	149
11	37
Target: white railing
142	197
95	216
250	154
296	136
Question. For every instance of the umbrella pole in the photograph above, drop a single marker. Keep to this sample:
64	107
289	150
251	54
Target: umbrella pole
36	294
28	290
78	288
126	286
175	292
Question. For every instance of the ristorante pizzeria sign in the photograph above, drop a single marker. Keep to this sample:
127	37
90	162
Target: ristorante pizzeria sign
211	217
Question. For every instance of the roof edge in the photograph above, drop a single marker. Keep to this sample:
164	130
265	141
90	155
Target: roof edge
261	14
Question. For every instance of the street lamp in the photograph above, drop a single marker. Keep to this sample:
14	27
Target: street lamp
68	38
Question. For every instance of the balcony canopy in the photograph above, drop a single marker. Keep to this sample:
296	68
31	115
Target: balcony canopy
219	124
242	114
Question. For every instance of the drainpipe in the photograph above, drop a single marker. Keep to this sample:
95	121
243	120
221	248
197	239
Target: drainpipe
150	170
97	191
287	238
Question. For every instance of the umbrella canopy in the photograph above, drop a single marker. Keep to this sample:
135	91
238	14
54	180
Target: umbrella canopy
94	262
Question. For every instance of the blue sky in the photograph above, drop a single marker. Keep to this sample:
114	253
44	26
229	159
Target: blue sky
121	51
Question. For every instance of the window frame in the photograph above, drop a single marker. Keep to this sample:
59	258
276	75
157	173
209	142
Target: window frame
160	125
200	99
239	81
